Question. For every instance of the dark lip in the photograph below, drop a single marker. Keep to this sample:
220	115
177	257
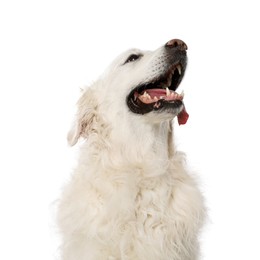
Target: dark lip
138	107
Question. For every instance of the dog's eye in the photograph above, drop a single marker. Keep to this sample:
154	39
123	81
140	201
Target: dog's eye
132	58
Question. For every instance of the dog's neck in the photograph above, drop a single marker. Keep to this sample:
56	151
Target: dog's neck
136	145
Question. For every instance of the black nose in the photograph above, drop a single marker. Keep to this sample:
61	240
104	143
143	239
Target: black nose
176	43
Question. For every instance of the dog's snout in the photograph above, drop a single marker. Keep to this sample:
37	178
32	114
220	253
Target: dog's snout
176	43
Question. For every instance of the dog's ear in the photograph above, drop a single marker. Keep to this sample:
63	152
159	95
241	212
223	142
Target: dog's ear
87	108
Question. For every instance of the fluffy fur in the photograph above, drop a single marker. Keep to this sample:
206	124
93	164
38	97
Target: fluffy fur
131	196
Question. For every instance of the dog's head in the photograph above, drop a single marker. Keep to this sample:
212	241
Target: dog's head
138	84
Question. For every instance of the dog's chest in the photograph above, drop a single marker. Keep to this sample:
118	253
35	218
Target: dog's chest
152	213
122	214
148	206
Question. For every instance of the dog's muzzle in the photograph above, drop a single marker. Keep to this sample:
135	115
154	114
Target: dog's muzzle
159	94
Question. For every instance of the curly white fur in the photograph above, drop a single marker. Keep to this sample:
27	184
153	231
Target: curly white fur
130	197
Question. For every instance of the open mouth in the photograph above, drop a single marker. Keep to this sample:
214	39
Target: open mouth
160	94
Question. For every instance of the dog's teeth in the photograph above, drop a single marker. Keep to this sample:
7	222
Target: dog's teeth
168	92
146	95
179	69
155	98
182	94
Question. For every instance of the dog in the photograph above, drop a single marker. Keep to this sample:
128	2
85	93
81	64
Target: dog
131	196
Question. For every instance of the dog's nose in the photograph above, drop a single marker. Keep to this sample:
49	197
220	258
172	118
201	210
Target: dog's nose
176	43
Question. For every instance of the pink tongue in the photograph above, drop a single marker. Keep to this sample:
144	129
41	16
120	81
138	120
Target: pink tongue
156	92
183	117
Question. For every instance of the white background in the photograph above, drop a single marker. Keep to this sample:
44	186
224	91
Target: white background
49	49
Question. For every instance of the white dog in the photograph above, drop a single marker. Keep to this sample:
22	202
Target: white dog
131	197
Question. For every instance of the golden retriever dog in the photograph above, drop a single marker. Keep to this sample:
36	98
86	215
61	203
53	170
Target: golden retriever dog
131	196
